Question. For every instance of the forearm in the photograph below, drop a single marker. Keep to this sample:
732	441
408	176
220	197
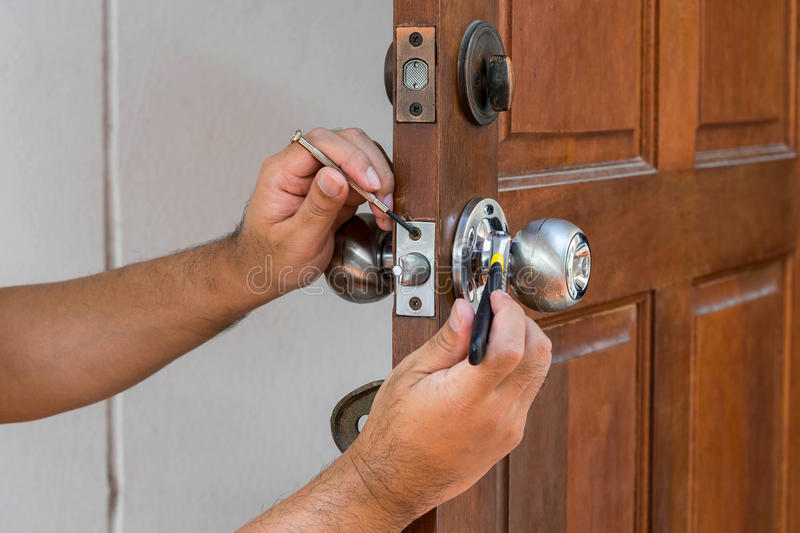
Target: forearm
68	344
336	500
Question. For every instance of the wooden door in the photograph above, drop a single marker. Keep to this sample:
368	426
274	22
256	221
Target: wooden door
667	132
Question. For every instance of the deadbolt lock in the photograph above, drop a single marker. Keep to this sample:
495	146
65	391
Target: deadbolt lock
485	74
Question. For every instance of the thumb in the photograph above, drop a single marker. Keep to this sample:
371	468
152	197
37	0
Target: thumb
449	345
326	197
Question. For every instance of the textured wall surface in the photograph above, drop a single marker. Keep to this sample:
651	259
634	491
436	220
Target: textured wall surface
206	91
53	471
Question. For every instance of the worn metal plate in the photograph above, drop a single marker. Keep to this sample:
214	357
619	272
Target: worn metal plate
404	303
348	412
423	99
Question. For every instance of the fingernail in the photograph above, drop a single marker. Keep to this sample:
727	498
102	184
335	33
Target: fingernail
389	201
372	179
455	318
330	182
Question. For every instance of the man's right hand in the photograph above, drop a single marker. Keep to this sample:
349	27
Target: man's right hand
438	424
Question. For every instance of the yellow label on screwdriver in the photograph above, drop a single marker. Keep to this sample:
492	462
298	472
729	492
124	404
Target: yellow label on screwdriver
497	258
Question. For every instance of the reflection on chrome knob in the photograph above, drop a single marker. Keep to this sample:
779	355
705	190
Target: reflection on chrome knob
360	269
550	264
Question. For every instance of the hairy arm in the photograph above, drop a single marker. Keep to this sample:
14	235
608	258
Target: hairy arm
337	500
68	344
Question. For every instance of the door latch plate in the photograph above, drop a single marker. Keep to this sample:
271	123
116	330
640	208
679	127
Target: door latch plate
415	74
417	300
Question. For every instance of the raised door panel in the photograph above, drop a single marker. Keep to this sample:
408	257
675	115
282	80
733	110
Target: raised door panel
738	401
578	468
721	402
579	71
746	77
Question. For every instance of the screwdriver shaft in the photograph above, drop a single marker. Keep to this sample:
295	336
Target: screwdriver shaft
320	156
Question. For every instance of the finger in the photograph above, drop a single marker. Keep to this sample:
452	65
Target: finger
345	214
449	345
380	166
527	377
352	159
505	347
317	214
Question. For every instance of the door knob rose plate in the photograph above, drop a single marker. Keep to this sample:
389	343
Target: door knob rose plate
472	247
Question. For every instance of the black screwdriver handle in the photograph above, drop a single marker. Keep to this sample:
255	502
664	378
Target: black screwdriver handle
484	315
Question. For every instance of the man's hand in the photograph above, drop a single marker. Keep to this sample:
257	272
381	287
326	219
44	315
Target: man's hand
75	342
437	425
297	205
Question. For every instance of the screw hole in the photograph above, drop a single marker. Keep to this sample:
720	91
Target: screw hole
489	209
415	234
415	303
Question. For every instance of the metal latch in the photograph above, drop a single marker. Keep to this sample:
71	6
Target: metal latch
364	269
410	74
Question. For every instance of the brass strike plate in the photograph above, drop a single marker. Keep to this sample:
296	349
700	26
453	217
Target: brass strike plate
415	74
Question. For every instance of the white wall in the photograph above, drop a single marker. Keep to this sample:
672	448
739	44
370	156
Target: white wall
206	91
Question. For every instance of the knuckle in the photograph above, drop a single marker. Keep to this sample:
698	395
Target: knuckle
545	344
443	342
355	133
317	132
511	355
314	209
517	433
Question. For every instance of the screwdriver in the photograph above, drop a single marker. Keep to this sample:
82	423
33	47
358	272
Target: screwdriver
368	196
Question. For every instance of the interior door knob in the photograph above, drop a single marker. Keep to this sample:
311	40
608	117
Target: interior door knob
360	269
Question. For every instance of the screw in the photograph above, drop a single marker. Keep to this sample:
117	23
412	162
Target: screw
415	303
415	39
415	109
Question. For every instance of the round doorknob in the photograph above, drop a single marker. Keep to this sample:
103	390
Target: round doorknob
360	269
550	264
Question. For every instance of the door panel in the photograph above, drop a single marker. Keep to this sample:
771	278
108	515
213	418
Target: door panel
577	469
746	48
666	131
580	96
738	399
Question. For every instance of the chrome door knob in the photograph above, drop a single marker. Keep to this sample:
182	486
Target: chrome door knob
550	264
360	269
